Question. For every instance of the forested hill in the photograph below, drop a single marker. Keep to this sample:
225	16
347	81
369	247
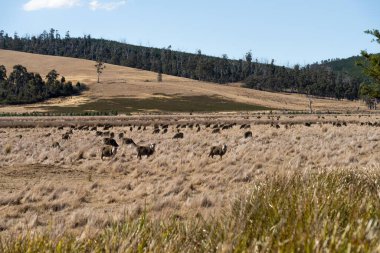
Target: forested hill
347	65
312	79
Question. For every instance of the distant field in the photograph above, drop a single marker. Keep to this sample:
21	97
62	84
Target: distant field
133	90
165	104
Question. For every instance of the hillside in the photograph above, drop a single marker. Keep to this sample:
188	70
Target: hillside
130	90
347	65
316	80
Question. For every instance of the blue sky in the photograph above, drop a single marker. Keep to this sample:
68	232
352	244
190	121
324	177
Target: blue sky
289	31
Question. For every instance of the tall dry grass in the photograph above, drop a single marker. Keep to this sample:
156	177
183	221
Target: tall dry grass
54	188
323	210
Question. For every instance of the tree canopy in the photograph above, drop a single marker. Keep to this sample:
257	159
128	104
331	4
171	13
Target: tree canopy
25	87
370	91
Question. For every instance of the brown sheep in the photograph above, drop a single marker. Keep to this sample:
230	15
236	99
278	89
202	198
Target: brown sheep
56	145
145	151
110	142
218	150
128	141
111	150
248	134
65	136
108	151
216	130
178	135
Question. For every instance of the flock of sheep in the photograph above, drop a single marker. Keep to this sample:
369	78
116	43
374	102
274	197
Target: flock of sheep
110	145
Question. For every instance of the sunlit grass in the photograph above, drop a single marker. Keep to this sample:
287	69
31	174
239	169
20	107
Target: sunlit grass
311	211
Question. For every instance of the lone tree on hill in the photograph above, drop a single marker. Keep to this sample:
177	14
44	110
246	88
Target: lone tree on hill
100	66
370	92
159	77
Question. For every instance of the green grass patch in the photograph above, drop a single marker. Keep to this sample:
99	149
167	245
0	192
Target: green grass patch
172	104
316	211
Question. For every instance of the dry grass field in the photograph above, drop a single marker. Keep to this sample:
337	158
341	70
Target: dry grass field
131	90
69	188
300	183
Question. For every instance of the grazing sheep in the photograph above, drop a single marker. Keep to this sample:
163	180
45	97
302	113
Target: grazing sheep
112	135
130	129
144	150
60	128
198	129
308	124
65	136
178	135
218	150
56	145
99	133
156	131
215	131
109	151
165	131
107	127
110	142
248	134
121	135
94	128
128	141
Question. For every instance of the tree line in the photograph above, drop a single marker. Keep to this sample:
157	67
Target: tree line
22	87
312	79
370	90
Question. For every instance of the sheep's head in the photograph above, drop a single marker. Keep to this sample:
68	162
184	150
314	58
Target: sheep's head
224	148
152	146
